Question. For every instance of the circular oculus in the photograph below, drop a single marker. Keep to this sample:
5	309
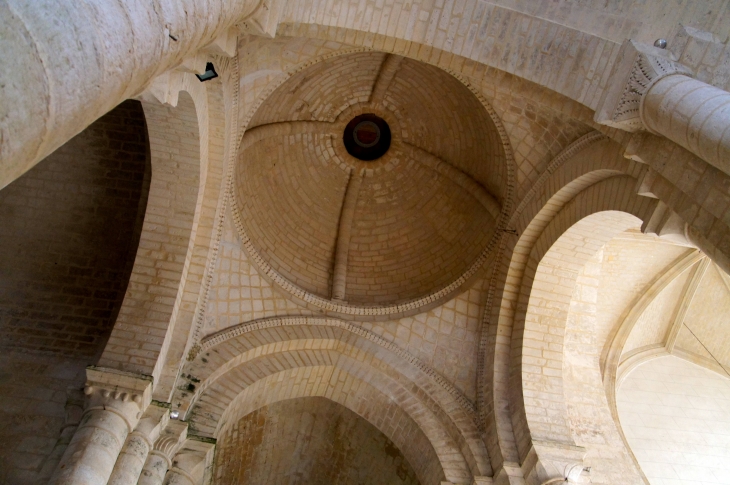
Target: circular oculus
367	137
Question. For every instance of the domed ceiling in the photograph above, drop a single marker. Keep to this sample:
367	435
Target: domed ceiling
369	179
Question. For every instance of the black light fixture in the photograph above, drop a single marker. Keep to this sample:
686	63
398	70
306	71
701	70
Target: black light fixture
208	74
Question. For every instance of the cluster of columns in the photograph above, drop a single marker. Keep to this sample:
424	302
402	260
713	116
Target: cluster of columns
125	439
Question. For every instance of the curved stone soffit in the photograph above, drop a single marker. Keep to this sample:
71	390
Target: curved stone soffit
564	156
232	146
225	335
401	308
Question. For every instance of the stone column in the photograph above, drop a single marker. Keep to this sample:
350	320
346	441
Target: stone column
190	462
650	91
692	114
74	61
115	402
159	459
138	445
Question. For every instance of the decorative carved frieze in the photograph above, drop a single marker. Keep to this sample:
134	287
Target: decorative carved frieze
638	68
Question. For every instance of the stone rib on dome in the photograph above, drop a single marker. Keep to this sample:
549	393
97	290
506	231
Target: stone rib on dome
421	214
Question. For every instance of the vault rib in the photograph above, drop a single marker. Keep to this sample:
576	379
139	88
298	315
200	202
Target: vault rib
284	128
344	230
388	70
688	293
459	178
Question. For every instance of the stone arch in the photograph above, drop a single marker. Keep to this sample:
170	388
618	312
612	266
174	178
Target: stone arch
587	161
187	146
534	388
461	48
360	397
229	363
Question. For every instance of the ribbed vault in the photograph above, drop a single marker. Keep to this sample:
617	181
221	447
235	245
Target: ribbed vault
378	232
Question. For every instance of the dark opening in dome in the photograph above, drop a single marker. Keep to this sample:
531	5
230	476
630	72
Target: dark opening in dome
367	137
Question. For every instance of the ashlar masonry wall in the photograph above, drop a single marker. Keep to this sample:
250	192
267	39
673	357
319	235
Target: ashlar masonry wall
69	230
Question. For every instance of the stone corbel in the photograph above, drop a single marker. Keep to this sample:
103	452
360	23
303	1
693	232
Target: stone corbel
668	225
509	474
192	461
125	394
638	68
264	20
153	422
164	89
552	462
225	45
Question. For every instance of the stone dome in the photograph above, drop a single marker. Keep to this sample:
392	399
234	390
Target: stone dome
409	224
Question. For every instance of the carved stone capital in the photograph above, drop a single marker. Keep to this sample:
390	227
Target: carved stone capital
638	67
127	395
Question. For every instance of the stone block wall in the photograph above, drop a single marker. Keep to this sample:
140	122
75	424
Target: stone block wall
69	230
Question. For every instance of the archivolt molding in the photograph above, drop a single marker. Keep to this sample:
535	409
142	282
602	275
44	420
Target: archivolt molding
228	363
207	344
219	130
589	160
616	193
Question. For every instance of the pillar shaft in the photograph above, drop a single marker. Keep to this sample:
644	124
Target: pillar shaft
90	457
131	460
74	61
692	114
154	470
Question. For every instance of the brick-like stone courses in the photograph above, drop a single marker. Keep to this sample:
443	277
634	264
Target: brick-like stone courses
222	376
442	117
355	395
238	292
309	440
618	190
553	283
323	91
290	205
446	338
413	232
68	232
567	48
406	239
530	47
161	258
595	161
698	192
605	287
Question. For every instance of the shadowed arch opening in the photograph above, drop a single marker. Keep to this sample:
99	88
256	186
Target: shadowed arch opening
310	440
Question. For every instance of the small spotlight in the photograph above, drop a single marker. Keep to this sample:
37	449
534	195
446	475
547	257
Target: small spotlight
208	74
174	414
661	43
